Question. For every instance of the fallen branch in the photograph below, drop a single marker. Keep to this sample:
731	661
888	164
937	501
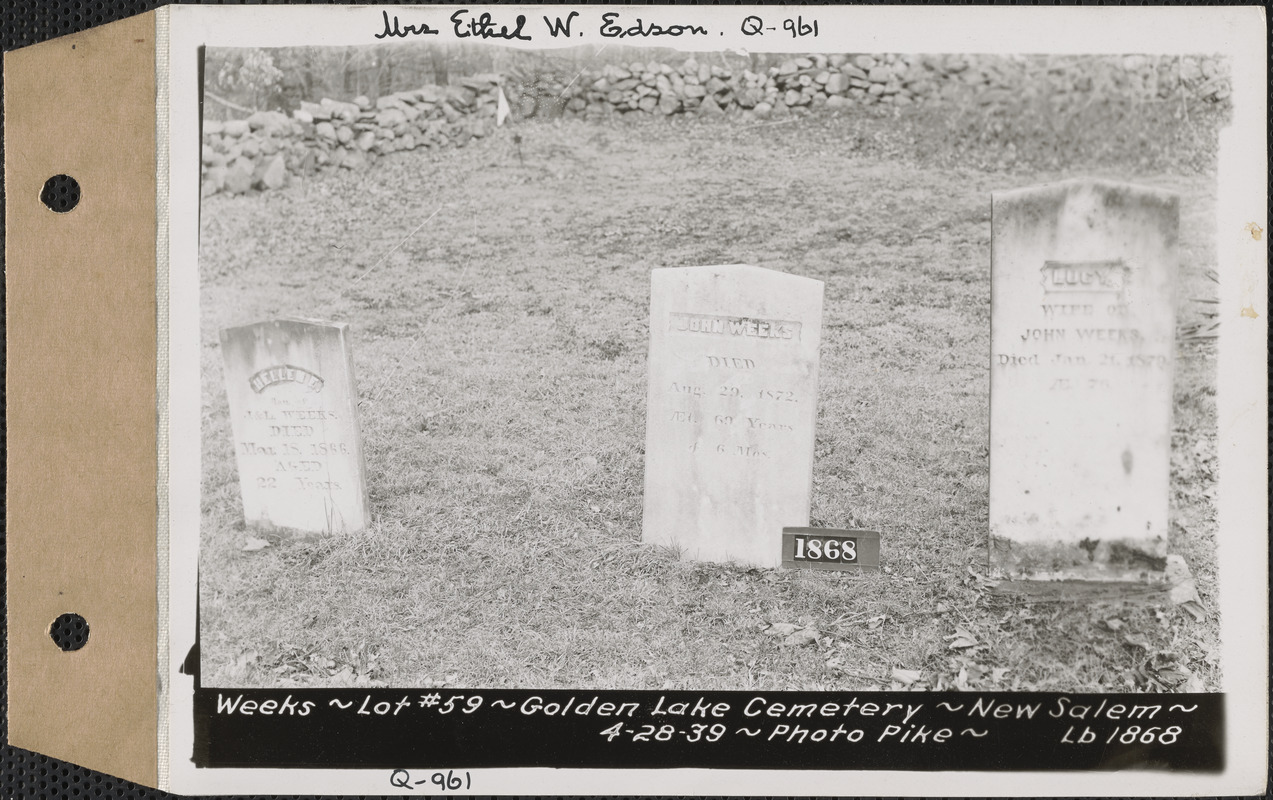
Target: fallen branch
227	103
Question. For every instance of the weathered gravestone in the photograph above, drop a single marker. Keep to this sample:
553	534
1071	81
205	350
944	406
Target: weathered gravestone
731	404
293	410
1082	343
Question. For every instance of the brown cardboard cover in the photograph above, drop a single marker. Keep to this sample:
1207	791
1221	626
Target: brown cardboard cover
81	509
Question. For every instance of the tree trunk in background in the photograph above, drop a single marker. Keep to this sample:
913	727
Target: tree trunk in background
440	76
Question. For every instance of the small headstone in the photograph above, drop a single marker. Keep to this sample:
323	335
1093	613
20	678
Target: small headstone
293	411
1082	343
731	404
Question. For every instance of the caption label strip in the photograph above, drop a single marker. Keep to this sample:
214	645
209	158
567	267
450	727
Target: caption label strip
397	729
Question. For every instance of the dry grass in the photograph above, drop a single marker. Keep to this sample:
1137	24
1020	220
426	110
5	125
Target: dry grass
500	352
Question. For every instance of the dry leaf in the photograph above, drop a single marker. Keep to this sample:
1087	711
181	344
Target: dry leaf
961	639
801	638
1113	624
906	676
781	629
254	544
1136	640
1194	610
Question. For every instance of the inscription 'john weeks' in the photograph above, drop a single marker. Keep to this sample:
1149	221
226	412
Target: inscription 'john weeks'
777	329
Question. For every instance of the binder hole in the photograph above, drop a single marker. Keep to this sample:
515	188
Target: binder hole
69	632
61	193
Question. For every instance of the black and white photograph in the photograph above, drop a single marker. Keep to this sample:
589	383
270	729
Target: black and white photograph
793	380
509	469
671	400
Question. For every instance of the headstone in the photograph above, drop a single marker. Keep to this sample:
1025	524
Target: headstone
731	404
293	410
1082	343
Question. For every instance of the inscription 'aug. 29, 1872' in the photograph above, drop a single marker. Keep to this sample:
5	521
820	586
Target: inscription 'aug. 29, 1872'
1082	338
293	406
731	402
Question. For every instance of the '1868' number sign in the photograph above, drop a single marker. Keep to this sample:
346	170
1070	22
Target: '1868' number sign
830	548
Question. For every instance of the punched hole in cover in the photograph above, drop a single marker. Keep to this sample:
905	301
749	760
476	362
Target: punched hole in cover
69	632
61	193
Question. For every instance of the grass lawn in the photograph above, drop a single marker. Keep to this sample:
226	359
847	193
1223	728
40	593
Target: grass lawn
499	312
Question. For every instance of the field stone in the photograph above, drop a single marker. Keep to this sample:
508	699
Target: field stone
236	128
238	178
275	173
864	62
879	74
710	107
214	180
353	160
344	134
763	110
325	130
750	97
1082	356
390	117
731	404
837	83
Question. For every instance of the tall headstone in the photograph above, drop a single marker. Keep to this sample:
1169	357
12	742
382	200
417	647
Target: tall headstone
731	405
293	410
1082	344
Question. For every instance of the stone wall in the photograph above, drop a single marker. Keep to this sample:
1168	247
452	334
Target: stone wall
262	151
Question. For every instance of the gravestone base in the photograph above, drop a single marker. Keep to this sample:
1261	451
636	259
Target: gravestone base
1108	560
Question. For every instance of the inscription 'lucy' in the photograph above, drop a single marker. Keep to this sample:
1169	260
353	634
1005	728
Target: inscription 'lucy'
1084	276
285	373
734	326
